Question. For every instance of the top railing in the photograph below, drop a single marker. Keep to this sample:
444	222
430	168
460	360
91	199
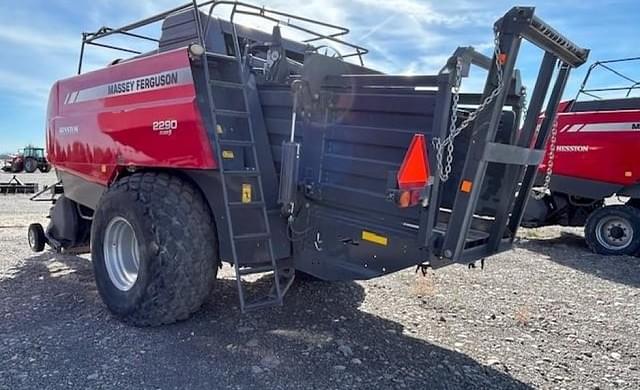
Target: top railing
632	82
334	33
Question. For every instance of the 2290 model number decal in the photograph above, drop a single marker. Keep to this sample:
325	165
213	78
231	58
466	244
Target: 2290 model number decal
165	127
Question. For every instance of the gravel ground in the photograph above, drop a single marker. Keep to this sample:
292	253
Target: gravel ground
547	315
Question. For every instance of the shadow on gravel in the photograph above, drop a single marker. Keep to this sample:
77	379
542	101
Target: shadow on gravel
570	250
56	333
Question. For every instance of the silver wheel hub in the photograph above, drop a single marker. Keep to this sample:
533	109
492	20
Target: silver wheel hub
614	233
121	253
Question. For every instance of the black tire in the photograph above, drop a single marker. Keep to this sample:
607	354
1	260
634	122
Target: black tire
36	237
44	168
177	248
614	230
30	165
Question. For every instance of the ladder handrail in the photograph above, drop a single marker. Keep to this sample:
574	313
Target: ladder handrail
218	150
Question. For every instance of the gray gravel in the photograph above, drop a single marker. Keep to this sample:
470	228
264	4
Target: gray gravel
548	315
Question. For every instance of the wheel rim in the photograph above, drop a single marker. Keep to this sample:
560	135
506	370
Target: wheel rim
614	233
31	235
121	253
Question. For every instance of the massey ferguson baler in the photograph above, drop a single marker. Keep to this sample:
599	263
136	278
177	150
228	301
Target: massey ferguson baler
227	144
591	157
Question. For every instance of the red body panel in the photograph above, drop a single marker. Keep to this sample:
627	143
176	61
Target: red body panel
103	121
601	146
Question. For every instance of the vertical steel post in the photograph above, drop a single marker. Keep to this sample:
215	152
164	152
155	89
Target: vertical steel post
84	37
547	123
514	173
198	21
484	130
429	215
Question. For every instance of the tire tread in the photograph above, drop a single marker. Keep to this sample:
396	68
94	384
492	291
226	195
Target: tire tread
183	250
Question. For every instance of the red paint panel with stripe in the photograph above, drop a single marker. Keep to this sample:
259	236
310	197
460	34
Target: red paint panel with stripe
600	146
140	113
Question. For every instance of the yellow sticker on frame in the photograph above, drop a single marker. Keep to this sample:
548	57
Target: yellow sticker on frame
375	238
246	193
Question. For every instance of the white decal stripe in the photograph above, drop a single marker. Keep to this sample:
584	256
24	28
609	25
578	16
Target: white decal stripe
576	128
611	127
565	128
164	79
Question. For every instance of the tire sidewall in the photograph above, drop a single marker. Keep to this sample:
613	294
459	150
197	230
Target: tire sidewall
39	239
120	204
30	165
630	214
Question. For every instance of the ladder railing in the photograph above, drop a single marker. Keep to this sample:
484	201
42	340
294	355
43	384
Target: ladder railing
242	268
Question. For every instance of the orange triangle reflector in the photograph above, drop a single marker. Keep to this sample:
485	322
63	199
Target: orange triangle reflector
414	171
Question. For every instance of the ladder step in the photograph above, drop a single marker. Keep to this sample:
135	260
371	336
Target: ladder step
252	237
238	114
226	84
232	142
256	270
247	205
223	57
242	173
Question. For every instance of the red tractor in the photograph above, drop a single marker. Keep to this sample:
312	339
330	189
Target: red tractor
591	157
227	144
28	159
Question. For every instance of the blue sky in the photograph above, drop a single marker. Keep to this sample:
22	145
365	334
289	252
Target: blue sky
40	40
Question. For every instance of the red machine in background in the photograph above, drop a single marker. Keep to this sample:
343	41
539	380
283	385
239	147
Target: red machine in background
591	159
28	159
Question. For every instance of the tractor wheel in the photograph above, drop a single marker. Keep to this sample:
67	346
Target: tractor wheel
154	249
36	237
30	165
44	168
614	230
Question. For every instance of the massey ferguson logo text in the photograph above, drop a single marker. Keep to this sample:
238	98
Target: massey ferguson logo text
140	84
68	130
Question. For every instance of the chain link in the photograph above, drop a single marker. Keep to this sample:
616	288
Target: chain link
540	193
525	108
444	170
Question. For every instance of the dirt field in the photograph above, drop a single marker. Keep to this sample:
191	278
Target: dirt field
547	315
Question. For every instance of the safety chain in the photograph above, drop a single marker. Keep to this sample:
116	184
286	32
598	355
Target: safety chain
444	170
525	108
540	193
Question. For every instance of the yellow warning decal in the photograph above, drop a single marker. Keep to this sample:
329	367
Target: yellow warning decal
227	154
375	238
246	193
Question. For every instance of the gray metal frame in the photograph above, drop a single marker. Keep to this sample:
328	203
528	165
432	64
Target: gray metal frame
518	24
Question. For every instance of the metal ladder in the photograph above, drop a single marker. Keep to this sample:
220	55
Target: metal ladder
282	279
